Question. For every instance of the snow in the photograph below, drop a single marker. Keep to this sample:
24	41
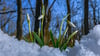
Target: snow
9	46
88	46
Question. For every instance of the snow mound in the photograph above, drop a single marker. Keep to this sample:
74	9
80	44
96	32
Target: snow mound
9	46
89	44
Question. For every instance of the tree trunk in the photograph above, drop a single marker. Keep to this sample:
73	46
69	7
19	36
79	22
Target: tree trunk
94	18
47	21
37	12
69	17
45	17
86	28
19	20
98	17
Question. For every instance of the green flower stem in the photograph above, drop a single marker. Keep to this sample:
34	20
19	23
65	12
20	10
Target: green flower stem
65	44
43	13
42	33
30	31
63	36
59	39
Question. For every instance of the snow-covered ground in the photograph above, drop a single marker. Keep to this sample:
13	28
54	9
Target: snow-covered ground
88	46
9	46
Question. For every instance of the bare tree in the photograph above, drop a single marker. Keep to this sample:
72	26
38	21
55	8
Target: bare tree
31	7
19	20
86	28
93	5
98	16
37	12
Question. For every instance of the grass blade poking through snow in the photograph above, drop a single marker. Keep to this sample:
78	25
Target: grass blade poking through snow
40	42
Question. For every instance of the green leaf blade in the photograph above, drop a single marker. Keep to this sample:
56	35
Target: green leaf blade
38	39
52	38
65	44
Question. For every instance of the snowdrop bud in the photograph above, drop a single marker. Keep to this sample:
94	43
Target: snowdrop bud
76	31
71	24
40	17
28	18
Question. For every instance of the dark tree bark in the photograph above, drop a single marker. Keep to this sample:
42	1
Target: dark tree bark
86	28
13	11
94	17
19	20
37	12
69	17
98	16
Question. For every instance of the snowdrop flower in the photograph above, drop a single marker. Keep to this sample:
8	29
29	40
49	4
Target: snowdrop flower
28	18
40	17
71	24
76	31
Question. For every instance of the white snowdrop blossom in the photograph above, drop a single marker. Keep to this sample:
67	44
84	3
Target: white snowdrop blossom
76	31
71	24
28	17
40	17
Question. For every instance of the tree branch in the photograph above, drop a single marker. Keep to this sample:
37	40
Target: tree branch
13	11
51	5
7	21
31	7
